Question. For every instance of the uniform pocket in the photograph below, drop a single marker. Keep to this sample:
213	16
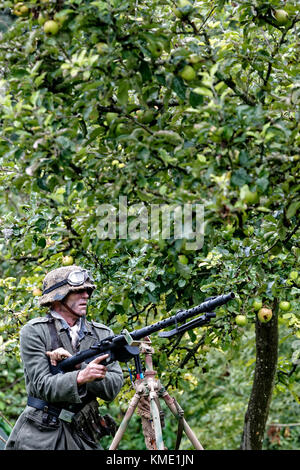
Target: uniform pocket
34	434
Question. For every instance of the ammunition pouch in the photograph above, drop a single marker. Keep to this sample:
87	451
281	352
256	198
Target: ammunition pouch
90	425
86	421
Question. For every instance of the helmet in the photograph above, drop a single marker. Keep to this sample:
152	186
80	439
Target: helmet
59	282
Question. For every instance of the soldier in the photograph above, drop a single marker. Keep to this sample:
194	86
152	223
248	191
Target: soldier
62	410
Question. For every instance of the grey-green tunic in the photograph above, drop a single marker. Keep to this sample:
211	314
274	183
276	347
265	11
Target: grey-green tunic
29	432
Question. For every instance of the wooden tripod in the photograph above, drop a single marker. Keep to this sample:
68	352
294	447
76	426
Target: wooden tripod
148	391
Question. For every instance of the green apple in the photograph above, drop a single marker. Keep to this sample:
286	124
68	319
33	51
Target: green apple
284	305
194	58
251	197
51	27
67	260
241	320
110	117
156	48
183	259
121	129
257	304
42	18
264	315
247	196
183	8
293	275
61	16
281	16
145	116
101	47
188	73
20	9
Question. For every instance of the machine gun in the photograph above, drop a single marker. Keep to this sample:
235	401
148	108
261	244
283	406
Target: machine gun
121	348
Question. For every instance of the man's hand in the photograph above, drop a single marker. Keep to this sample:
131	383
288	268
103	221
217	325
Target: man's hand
93	371
58	355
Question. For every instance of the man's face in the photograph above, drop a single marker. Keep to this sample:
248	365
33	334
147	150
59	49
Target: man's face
77	301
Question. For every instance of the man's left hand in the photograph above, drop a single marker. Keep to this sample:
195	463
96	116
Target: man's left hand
58	355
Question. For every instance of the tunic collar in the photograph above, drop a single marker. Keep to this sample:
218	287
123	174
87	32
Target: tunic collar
76	332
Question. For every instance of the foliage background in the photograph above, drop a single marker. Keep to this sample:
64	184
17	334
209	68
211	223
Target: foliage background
101	110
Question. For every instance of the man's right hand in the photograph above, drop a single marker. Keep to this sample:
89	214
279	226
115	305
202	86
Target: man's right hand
93	371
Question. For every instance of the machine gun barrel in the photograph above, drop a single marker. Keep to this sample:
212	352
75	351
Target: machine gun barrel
182	315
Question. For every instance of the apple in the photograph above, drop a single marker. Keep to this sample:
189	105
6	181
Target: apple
257	304
188	73
51	27
145	117
121	129
36	292
67	260
194	59
241	320
20	9
183	259
250	197
247	196
284	305
183	9
293	275
156	48
101	47
42	19
281	16
110	117
264	314
61	16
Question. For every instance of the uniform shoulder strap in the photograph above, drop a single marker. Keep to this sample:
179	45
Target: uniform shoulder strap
55	341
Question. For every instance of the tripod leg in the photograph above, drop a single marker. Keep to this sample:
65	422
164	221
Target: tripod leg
156	423
120	432
190	434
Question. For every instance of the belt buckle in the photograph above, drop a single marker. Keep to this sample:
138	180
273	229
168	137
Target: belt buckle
66	415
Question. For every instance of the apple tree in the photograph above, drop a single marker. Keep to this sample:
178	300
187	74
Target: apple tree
161	103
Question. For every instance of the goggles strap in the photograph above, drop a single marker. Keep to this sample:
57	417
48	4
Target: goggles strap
56	286
66	281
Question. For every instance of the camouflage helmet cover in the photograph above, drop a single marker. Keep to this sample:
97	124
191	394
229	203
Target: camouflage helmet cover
57	275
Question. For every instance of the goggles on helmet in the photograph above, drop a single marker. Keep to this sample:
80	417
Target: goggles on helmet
75	279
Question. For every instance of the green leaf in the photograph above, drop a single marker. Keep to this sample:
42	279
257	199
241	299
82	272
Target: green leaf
240	177
41	242
292	209
145	71
122	92
195	99
179	87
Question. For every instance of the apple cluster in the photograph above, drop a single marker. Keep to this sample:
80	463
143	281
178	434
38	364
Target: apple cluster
51	25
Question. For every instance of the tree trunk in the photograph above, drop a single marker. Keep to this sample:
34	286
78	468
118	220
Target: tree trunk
265	370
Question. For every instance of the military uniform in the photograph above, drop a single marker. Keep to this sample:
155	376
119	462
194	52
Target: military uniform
60	415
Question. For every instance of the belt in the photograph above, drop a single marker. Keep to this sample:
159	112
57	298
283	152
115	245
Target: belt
61	413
